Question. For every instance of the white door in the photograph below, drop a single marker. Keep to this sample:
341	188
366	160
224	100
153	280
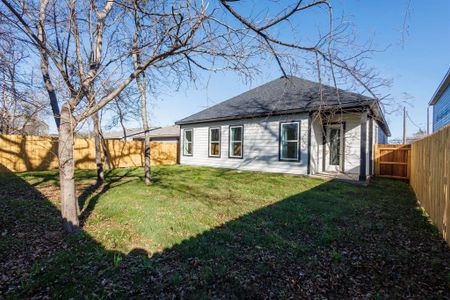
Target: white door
334	149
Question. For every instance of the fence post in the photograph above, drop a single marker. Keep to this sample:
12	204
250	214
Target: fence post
377	160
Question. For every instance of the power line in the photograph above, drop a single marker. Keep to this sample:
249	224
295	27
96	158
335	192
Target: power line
409	118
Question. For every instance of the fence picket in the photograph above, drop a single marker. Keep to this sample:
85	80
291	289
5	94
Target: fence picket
430	164
427	163
33	153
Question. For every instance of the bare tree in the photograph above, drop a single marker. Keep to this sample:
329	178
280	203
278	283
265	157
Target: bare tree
89	43
334	54
85	58
21	104
142	87
123	109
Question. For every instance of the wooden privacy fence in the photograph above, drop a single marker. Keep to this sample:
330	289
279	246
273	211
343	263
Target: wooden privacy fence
33	153
392	161
426	163
430	177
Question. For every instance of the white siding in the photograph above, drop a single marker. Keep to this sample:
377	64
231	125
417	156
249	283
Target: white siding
261	145
352	144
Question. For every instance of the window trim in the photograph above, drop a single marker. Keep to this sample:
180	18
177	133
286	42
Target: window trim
280	158
192	142
209	141
242	142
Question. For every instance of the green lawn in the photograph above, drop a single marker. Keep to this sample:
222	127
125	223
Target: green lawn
209	233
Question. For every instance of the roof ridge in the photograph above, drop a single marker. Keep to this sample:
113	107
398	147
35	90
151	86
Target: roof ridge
278	96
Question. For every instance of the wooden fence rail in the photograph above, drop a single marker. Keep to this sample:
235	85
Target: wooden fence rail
33	153
430	177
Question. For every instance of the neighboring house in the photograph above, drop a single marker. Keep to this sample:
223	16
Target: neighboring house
410	139
441	103
128	135
285	126
382	138
157	134
23	125
170	134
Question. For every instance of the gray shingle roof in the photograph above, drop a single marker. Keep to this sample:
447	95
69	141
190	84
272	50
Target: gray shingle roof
163	132
131	132
281	96
154	132
168	131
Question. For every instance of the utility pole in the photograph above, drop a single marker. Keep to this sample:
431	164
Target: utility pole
404	125
428	120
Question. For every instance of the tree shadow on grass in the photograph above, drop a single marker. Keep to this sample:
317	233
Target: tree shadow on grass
94	191
30	228
317	243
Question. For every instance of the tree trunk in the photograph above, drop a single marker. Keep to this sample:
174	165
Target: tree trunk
147	158
105	153
147	150
142	86
98	148
69	205
124	129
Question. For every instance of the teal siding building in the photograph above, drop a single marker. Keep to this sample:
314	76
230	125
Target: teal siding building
441	104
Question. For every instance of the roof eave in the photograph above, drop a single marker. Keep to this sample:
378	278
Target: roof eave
441	88
249	116
276	113
383	122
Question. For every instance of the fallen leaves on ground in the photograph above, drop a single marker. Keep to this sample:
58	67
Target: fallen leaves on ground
286	250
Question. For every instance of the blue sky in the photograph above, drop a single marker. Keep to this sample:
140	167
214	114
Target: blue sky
416	65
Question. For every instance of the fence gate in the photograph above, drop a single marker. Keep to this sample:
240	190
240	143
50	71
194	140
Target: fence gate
393	161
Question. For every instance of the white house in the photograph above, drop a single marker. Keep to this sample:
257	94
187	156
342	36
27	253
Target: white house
289	125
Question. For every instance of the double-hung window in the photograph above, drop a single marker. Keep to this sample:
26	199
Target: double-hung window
289	141
236	141
188	137
214	141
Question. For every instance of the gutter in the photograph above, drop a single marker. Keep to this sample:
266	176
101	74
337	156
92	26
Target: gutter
260	115
371	105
